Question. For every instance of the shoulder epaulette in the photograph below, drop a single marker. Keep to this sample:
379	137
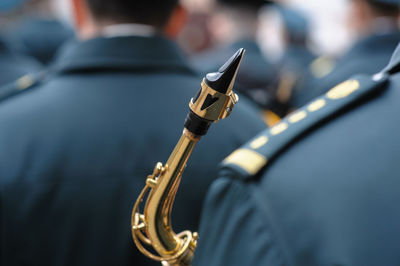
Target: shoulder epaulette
322	66
22	84
254	156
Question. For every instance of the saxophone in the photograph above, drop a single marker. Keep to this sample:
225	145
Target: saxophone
214	101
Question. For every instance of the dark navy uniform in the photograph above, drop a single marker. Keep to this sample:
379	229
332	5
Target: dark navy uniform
13	65
77	148
367	56
304	89
320	188
296	57
39	38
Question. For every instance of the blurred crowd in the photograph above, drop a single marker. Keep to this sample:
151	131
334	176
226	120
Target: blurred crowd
302	68
277	79
93	93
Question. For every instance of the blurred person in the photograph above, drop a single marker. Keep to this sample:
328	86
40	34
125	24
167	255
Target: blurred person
320	188
234	24
78	145
195	37
12	64
375	24
38	32
303	92
297	56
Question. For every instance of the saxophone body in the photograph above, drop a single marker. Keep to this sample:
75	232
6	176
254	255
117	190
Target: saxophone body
214	101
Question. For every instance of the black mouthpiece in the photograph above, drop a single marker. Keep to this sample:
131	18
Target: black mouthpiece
222	80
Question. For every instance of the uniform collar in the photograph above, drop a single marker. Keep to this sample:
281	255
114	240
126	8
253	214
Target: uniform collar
394	65
133	53
130	29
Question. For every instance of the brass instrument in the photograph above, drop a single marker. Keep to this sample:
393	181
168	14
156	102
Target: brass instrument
214	101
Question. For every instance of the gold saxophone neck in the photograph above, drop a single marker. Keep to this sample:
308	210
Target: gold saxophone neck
214	101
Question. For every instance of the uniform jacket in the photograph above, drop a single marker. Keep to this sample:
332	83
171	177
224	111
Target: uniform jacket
293	67
320	188
39	37
13	65
296	58
367	56
77	148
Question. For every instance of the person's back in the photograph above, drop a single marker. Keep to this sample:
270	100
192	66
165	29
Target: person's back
296	57
375	23
328	193
79	146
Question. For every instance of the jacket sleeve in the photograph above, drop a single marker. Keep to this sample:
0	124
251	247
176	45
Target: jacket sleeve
233	230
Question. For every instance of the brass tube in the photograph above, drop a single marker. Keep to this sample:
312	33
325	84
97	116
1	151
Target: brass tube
214	101
160	200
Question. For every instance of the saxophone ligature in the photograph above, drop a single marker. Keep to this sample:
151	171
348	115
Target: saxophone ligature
214	101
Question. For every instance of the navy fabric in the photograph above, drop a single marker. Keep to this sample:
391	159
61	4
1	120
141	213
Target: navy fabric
295	22
39	38
13	65
333	107
367	56
296	59
77	148
331	198
293	67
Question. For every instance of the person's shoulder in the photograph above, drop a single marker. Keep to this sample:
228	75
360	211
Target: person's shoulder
14	65
249	161
20	86
24	96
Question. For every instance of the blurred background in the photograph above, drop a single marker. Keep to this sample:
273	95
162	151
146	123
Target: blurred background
328	29
307	46
293	46
329	33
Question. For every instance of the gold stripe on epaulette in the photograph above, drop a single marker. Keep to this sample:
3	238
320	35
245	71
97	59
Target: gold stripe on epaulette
297	116
343	90
316	105
279	128
24	82
322	66
259	142
248	160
